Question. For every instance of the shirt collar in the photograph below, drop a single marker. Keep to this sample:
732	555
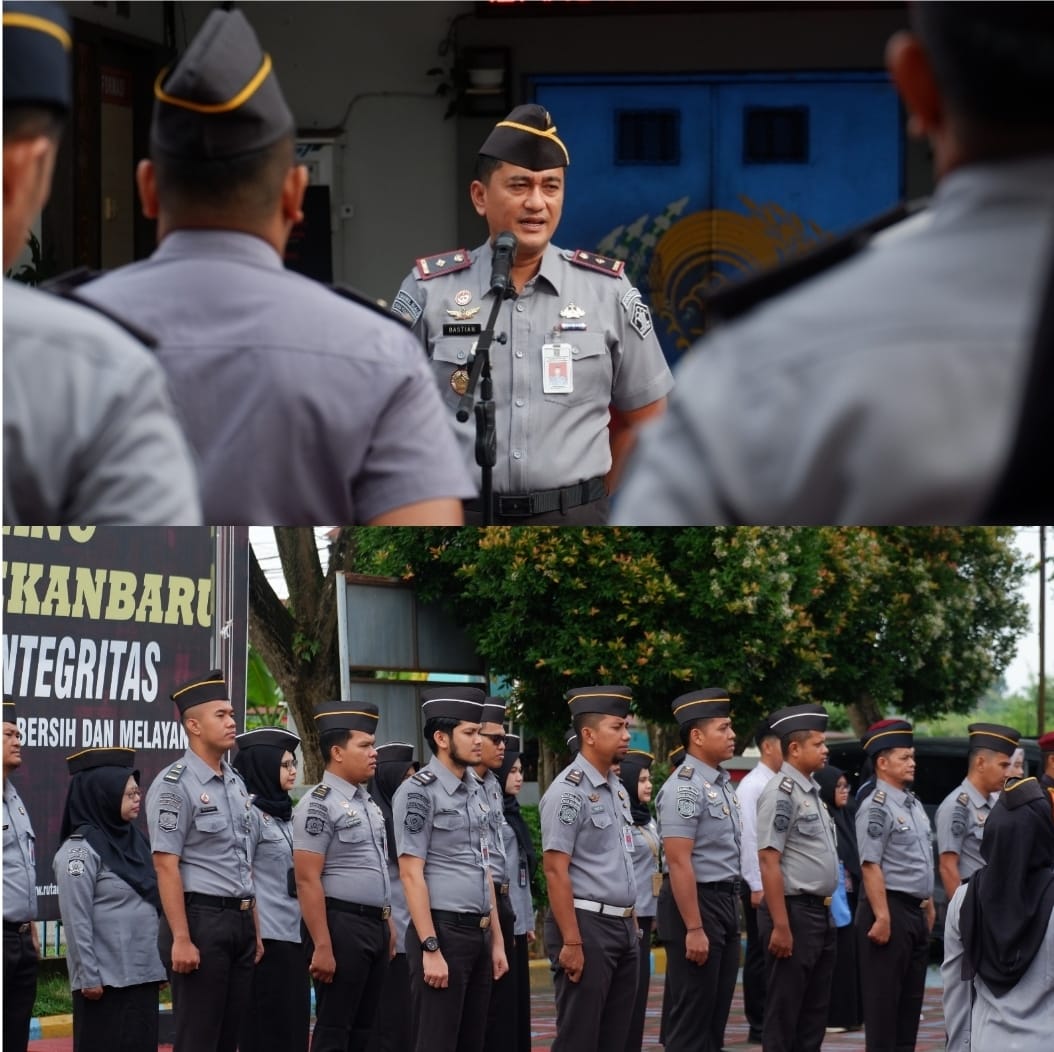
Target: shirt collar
202	771
447	779
594	776
552	268
896	796
977	798
342	785
228	244
805	781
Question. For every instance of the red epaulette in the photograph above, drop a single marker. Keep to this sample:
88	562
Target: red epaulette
442	263
612	267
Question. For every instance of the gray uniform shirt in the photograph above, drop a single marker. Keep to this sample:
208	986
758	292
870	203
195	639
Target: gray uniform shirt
587	816
20	860
110	929
519	883
277	912
329	401
499	863
647	866
793	819
546	439
203	818
90	435
960	826
446	821
886	390
697	803
341	821
892	829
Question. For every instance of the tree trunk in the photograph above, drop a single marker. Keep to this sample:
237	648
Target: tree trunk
862	713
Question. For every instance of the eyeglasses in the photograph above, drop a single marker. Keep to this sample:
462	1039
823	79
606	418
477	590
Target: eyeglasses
498	739
133	794
288	765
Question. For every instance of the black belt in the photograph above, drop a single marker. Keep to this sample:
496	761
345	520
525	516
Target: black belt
196	898
907	898
18	927
377	912
820	902
463	920
545	500
732	887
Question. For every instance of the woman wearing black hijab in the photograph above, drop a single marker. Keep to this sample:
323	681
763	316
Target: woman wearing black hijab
109	904
391	1024
279	1012
846	1010
635	774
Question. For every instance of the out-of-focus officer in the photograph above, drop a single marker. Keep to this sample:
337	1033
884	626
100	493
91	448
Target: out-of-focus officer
200	828
591	932
799	872
442	823
698	911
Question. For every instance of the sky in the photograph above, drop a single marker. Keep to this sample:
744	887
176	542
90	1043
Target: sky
1022	671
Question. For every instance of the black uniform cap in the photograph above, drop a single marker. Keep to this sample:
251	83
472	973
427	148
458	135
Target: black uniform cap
607	700
86	759
763	730
453	703
1019	791
10	711
513	744
274	736
527	138
571	740
346	716
493	711
209	687
675	757
888	734
785	722
993	736
701	704
37	49
640	758
395	752
222	98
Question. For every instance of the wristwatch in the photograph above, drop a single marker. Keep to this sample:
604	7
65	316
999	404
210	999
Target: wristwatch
430	945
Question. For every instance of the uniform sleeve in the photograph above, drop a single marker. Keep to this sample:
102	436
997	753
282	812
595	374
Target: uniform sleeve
76	868
957	991
641	374
679	808
313	828
775	813
561	814
168	816
412	808
952	823
873	826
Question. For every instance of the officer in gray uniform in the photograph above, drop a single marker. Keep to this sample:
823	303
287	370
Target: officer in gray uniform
200	829
698	911
591	932
442	824
799	872
579	336
89	431
341	854
324	396
895	914
21	945
964	811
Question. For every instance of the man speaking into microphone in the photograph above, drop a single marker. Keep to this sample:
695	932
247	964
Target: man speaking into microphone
574	338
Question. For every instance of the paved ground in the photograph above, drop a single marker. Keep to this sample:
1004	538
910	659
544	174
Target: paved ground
931	1030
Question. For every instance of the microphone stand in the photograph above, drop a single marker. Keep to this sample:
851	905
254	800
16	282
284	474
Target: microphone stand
486	427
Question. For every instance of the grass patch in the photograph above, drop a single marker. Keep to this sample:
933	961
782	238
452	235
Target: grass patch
53	995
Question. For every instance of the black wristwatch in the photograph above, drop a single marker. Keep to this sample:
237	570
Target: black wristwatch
430	945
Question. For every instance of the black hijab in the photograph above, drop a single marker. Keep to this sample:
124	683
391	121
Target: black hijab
388	776
1008	902
93	809
513	815
843	818
261	768
629	775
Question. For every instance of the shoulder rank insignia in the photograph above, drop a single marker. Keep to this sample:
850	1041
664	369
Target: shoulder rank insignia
425	777
574	776
879	796
787	785
685	771
962	798
429	267
320	792
175	772
612	267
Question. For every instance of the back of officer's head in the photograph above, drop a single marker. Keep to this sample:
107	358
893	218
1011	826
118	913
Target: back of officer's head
994	63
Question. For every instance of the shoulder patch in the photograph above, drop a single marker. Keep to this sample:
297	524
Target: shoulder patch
429	267
637	313
175	772
570	806
425	777
876	822
787	785
574	776
612	267
962	798
321	791
406	308
685	771
879	796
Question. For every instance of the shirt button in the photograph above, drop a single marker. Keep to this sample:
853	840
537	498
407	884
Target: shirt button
460	356
520	402
519	307
517	454
519	354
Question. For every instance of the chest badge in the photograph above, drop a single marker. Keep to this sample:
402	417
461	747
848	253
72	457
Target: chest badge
571	311
594	797
463	297
459	381
463	313
204	798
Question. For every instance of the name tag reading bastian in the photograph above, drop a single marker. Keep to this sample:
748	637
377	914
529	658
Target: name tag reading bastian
557	365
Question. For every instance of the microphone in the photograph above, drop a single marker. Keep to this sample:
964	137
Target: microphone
504	254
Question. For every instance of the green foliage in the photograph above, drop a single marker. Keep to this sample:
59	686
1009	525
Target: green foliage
53	995
265	702
305	648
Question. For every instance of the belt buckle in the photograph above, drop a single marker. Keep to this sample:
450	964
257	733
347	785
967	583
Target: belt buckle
503	889
246	904
827	900
484	923
516	505
386	912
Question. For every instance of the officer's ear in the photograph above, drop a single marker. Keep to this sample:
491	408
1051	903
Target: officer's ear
911	71
146	183
294	186
478	192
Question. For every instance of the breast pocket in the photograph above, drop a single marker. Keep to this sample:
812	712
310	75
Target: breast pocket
601	819
210	823
717	810
355	834
809	826
450	363
590	370
450	820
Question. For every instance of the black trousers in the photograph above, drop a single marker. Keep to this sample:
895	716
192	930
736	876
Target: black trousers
124	1019
635	1034
501	1008
391	1030
345	1008
893	976
522	1041
799	986
595	513
20	987
700	995
753	968
208	1004
845	1008
593	1014
279	1014
453	1019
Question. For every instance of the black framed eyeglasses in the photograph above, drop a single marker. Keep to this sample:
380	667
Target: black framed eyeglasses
289	765
497	739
